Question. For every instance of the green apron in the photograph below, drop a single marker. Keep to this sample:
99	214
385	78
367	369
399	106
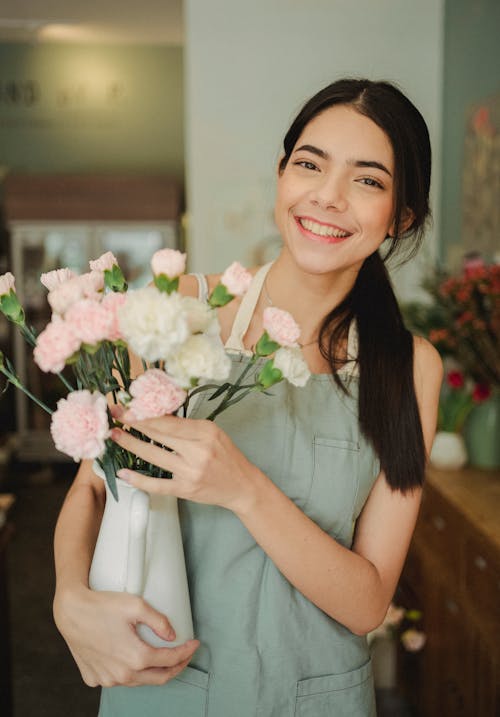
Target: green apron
265	649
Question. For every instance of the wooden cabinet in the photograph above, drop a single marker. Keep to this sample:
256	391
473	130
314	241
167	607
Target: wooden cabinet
452	574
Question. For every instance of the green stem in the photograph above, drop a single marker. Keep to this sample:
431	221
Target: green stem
15	382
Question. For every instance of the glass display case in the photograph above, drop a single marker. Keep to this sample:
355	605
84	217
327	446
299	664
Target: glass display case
38	247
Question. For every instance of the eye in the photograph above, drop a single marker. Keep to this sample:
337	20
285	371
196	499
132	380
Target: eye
370	182
306	164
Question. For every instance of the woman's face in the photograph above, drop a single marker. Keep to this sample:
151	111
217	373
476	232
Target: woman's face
335	197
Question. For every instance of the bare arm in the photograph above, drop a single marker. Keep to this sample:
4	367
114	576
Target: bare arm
353	586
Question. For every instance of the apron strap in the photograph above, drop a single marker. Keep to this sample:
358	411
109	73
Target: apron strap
246	310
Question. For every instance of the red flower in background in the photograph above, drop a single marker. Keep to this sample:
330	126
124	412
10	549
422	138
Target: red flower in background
481	392
455	379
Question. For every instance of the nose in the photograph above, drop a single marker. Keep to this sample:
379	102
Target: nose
330	194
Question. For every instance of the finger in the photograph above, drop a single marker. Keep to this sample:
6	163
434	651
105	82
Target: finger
171	657
156	486
158	675
173	426
147	451
157	621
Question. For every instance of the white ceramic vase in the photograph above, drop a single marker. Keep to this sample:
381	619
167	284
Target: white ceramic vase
448	451
139	550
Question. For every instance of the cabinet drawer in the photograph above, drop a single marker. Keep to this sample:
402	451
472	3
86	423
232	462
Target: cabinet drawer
482	580
440	529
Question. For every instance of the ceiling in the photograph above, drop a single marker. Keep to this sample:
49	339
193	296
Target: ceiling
121	21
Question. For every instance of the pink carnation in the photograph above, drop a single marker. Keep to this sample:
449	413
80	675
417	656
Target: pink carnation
54	346
79	426
413	640
111	304
89	321
154	394
105	261
92	283
52	279
170	262
281	326
7	282
86	286
236	279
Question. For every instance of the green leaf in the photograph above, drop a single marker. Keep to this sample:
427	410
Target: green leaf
269	375
165	284
11	308
265	345
114	279
108	466
219	391
220	296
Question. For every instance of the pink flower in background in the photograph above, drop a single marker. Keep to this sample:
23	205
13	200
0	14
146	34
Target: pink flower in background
52	279
54	346
7	282
79	426
89	321
170	262
111	304
394	615
281	326
154	394
105	261
413	640
236	279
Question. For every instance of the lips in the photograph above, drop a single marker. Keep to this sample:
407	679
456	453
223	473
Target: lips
319	231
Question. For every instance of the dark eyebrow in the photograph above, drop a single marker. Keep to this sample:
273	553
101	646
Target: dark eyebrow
365	163
355	162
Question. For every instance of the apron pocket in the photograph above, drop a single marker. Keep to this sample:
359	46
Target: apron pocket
334	484
349	694
186	694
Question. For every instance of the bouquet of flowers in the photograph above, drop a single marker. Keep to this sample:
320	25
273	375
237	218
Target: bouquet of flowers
457	400
97	324
464	320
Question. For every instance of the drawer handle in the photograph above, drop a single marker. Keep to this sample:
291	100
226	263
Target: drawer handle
438	522
480	562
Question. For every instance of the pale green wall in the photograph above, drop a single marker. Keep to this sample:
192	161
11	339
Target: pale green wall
471	74
75	124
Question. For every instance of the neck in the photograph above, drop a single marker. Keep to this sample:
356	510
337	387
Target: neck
309	297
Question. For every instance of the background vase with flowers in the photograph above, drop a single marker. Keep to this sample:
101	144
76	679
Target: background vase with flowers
462	320
456	402
399	625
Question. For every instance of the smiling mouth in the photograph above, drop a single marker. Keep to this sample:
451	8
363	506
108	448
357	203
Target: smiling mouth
322	232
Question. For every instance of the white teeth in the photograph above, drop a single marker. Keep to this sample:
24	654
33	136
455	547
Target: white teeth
322	229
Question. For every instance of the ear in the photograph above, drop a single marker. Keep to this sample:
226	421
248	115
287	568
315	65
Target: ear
407	219
279	171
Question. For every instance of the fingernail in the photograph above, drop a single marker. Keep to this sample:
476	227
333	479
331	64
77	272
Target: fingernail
115	434
124	474
171	634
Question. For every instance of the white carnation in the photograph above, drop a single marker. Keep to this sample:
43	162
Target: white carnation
199	357
153	323
201	318
292	365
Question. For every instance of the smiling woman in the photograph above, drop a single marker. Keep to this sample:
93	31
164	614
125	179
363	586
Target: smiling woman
297	512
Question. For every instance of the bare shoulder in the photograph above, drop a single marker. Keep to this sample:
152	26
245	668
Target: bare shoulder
428	366
188	283
428	376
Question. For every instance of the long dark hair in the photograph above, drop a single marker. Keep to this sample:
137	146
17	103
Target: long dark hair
388	410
